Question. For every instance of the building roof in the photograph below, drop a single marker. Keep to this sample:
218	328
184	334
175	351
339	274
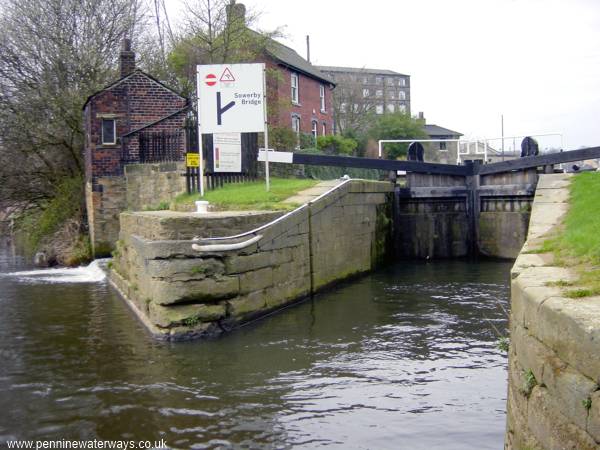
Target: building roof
435	130
122	79
290	58
360	70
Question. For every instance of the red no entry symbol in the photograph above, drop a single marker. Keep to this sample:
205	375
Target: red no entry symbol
210	79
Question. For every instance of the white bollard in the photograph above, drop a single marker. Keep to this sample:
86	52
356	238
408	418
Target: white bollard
201	206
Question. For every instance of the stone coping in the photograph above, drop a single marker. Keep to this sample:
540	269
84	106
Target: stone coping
167	214
568	326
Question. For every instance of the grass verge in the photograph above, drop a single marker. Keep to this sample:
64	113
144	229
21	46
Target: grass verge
577	242
252	195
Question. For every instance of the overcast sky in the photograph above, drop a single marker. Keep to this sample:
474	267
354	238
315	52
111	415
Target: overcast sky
535	61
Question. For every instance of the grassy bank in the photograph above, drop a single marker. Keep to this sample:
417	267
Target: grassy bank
252	196
57	227
577	242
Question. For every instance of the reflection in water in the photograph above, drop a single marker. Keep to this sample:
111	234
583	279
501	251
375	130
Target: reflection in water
401	359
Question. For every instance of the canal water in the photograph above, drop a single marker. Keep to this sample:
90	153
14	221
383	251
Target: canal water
404	358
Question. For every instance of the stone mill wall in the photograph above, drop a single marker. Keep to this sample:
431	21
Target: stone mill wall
554	357
180	292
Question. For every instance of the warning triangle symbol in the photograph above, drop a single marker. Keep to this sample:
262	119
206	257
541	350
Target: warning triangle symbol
227	75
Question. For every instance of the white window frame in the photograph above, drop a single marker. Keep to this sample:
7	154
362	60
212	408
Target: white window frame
379	93
390	108
104	142
366	93
401	82
322	97
379	109
401	95
295	84
402	107
296	125
315	129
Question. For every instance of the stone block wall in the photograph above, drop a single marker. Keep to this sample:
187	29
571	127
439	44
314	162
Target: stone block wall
148	185
179	292
142	186
554	357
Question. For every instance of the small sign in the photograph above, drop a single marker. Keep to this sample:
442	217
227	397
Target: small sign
278	157
227	152
227	75
234	102
210	79
192	160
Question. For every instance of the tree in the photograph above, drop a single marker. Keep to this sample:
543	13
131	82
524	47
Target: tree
354	111
215	32
53	55
397	126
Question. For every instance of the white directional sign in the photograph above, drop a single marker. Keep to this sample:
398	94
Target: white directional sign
230	98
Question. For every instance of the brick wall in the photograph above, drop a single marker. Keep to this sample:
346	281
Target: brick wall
135	102
279	96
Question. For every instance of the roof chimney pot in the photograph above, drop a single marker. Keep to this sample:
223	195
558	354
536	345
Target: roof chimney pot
126	58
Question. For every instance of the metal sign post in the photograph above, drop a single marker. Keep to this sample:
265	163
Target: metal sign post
201	169
266	129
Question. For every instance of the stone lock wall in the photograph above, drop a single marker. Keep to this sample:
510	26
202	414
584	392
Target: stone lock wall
554	357
182	293
142	186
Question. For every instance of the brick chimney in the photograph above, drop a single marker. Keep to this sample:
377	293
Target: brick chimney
127	58
236	13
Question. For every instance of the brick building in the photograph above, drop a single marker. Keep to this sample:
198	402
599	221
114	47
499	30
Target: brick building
115	116
302	93
116	119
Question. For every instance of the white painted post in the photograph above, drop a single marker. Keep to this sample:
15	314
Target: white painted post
458	152
201	168
266	132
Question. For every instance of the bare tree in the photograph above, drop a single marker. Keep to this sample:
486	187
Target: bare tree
53	55
353	105
216	32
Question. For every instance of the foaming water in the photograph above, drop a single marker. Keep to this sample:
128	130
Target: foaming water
404	358
92	273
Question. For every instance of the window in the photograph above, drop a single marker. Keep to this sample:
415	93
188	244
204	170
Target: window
109	131
379	93
391	94
401	82
343	107
443	146
296	124
378	80
379	109
390	81
314	130
365	92
324	129
390	107
401	95
295	96
366	80
322	97
402	108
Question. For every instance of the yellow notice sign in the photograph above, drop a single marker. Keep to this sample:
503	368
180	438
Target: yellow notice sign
192	159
